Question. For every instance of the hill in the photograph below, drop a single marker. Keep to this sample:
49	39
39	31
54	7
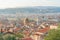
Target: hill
37	9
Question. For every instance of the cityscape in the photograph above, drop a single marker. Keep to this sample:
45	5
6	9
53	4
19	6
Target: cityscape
32	27
29	19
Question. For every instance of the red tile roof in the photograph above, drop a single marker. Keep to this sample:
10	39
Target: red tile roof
26	32
44	30
27	38
17	29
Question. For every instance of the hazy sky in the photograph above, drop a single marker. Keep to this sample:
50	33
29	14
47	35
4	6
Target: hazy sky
27	3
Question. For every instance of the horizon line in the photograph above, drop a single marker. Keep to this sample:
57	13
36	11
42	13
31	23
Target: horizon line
28	6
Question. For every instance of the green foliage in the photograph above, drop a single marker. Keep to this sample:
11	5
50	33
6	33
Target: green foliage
53	35
19	35
1	36
9	37
59	25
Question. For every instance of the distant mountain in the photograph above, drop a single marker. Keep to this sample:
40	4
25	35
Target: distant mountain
38	9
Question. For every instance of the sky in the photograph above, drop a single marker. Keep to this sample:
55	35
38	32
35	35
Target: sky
27	3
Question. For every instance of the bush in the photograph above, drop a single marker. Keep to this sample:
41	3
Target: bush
19	35
53	35
9	37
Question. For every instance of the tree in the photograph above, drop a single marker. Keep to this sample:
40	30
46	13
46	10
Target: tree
1	36
9	37
53	35
19	35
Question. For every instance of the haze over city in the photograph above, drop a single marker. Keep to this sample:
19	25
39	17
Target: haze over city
27	3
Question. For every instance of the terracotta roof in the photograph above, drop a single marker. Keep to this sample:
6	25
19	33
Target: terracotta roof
26	32
17	29
37	34
27	38
44	30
